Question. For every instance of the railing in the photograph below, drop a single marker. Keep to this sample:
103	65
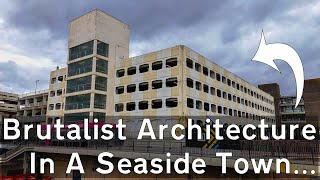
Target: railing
302	152
34	93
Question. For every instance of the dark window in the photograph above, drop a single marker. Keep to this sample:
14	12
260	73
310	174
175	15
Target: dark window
156	104
143	105
230	112
225	111
131	88
51	106
189	63
205	71
102	66
206	106
229	97
219	109
190	103
100	116
218	77
52	93
157	84
120	90
224	95
75	117
79	84
101	83
229	82
172	82
189	83
234	98
60	79
213	108
78	102
119	107
100	101
82	50
102	49
120	72
53	80
199	105
131	106
218	92
224	80
59	92
197	67
172	62
143	86
205	88
144	68
212	75
171	102
157	65
132	71
233	84
80	67
212	90
198	85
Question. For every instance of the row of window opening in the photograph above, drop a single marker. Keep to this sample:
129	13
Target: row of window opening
172	62
144	105
225	80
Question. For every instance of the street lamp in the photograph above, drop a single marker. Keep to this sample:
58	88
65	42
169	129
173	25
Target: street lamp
35	90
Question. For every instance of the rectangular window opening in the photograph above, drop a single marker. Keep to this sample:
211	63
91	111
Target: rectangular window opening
171	102
157	84
143	86
157	65
172	62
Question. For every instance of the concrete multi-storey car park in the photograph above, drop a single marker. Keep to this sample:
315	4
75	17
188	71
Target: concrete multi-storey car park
177	81
103	81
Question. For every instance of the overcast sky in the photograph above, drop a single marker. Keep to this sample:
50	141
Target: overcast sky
34	33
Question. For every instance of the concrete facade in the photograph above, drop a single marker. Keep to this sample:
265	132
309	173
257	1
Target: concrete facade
56	95
8	104
8	107
96	28
32	107
184	83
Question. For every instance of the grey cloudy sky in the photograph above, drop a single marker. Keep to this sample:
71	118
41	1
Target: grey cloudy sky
34	34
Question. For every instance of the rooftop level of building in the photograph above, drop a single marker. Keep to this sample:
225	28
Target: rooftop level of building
203	59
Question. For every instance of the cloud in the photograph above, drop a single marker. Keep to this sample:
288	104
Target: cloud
227	32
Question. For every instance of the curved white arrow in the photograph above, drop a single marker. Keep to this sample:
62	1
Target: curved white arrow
268	53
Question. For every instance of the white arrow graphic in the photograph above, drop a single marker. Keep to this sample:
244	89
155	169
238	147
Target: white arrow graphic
268	53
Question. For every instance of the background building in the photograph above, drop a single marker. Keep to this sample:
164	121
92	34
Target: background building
8	104
308	110
8	107
56	95
290	114
311	96
32	107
